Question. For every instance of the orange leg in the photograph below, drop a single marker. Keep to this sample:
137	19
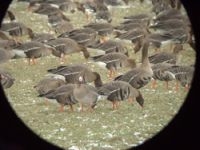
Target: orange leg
113	105
177	86
46	101
130	100
81	106
167	85
62	58
153	86
61	108
187	87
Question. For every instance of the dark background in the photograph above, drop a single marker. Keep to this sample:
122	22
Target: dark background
181	133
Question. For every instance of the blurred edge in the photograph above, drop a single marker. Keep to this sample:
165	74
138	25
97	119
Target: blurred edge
180	133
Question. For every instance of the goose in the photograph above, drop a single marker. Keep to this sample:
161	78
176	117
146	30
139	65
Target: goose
113	61
40	37
8	44
77	31
84	38
161	71
183	75
66	46
72	73
168	14
140	76
63	95
166	56
111	46
57	18
15	29
62	27
6	78
103	16
116	91
32	50
85	94
48	84
103	29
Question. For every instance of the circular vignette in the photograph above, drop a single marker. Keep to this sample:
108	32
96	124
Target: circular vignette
15	135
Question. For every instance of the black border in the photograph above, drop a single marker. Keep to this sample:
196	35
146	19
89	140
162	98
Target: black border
181	133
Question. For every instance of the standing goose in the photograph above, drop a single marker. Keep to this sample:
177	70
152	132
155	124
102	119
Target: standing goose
72	73
113	61
161	71
85	94
141	75
65	46
63	95
117	91
32	50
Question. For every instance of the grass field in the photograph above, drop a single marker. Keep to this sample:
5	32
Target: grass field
128	126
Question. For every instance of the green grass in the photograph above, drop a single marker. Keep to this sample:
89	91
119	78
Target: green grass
104	128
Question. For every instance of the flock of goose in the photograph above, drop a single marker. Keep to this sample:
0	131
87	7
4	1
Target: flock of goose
168	26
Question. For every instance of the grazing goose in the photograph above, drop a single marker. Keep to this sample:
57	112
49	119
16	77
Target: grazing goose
166	56
103	16
161	72
84	38
43	9
85	94
168	14
6	55
103	30
170	24
63	27
117	91
40	37
8	44
66	46
63	95
184	75
57	18
140	76
113	61
32	50
89	31
6	79
48	84
72	73
15	29
111	46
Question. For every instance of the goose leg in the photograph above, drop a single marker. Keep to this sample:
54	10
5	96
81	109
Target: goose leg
62	58
33	59
46	101
130	100
61	108
117	104
177	86
187	87
153	86
167	85
81	106
114	105
71	108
